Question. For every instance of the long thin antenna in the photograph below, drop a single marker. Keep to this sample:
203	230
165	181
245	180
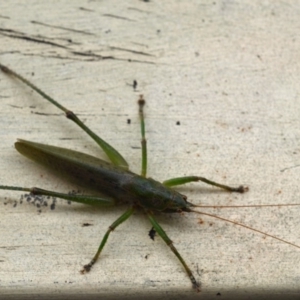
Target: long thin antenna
245	226
242	206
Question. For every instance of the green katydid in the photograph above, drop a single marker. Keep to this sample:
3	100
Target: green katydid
115	181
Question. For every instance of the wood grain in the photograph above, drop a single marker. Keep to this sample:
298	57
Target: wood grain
221	81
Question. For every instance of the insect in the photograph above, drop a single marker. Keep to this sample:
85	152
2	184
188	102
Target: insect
114	180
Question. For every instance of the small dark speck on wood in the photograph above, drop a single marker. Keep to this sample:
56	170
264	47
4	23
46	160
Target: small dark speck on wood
134	84
152	233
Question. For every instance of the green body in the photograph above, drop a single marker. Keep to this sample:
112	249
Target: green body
118	184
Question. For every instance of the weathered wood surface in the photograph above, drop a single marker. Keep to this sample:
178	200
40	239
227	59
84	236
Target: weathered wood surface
221	81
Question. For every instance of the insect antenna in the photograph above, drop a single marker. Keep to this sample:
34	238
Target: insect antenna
241	224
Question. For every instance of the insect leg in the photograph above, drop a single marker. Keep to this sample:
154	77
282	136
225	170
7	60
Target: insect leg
84	199
115	157
167	240
141	103
113	226
187	179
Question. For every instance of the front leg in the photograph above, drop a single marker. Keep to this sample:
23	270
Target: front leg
183	180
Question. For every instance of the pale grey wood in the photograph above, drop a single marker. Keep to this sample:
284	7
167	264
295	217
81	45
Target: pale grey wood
227	71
